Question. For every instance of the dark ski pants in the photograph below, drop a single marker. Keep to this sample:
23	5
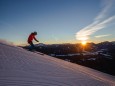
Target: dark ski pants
32	47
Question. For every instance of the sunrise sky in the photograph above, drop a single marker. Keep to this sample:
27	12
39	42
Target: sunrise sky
57	21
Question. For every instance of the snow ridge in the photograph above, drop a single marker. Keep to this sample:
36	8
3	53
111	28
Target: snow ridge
19	67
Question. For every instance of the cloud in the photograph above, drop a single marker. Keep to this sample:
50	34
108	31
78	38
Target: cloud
108	4
6	42
99	23
100	36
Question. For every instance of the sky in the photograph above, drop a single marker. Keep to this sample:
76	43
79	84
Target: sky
57	21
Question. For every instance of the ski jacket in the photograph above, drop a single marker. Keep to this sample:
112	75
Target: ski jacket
31	37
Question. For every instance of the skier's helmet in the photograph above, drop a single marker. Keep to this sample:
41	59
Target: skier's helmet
35	33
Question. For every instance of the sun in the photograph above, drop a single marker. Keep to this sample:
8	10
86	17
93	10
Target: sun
83	42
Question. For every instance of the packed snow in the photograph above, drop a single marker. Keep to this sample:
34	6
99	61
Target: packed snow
19	67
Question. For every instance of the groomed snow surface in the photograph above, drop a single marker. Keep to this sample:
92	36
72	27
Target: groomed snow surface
19	67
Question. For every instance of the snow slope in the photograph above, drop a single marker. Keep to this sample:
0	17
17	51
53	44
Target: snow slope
19	67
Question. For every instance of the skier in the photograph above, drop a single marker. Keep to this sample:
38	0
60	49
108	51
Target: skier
30	39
